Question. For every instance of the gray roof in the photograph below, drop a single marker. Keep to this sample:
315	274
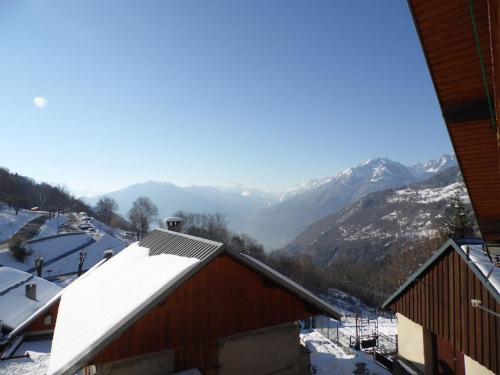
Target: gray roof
162	241
450	245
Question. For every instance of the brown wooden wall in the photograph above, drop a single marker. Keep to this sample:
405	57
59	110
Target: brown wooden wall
440	302
223	298
38	325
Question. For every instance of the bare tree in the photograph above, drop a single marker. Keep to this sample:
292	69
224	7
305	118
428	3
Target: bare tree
105	209
142	214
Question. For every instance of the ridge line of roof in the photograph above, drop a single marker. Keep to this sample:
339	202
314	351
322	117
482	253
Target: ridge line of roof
449	244
199	239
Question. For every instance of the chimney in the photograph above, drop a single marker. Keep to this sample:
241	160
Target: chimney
31	291
108	254
174	224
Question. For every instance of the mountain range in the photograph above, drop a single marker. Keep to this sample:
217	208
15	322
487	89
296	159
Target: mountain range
372	227
275	219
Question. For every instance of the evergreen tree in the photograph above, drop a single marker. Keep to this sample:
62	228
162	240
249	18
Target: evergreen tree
459	223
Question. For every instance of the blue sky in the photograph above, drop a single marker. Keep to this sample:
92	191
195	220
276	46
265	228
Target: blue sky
262	93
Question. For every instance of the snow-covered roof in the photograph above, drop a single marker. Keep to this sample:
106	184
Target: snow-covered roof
105	301
479	258
474	254
99	304
15	307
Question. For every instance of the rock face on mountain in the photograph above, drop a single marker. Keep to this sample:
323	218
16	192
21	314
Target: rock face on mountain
371	227
275	219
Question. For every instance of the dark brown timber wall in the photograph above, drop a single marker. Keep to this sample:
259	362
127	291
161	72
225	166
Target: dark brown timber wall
440	302
222	299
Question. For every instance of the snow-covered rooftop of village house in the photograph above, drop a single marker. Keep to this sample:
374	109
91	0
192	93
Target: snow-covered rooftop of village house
479	258
15	307
35	364
98	304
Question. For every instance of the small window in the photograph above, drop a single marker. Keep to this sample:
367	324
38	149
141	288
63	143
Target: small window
47	320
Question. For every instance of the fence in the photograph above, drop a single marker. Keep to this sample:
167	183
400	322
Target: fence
352	331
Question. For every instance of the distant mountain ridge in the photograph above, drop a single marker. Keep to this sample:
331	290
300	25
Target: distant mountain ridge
275	219
370	228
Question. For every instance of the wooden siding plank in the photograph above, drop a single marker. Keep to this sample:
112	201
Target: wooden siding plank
471	326
464	307
458	311
446	302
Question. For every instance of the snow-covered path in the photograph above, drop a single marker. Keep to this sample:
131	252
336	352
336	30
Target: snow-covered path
329	358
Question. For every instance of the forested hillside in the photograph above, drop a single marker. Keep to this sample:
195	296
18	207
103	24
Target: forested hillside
18	191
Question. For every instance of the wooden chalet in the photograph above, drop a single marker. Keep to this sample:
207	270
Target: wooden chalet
442	327
175	302
448	311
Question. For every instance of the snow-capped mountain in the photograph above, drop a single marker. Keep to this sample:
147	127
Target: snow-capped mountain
380	222
434	166
275	219
315	199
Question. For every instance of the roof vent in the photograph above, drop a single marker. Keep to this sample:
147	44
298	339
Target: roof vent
108	254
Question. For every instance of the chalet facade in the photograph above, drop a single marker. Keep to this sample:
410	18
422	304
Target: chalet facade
175	302
448	313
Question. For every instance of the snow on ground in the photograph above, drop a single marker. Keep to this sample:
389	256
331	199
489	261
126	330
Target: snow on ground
49	249
329	358
39	346
344	331
370	322
10	223
52	226
429	195
115	290
95	253
15	307
36	364
115	232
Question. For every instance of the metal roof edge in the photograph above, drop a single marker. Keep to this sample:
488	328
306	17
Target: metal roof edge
285	283
476	271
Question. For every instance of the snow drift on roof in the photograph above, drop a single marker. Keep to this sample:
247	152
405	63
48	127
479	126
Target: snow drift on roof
95	306
15	307
483	263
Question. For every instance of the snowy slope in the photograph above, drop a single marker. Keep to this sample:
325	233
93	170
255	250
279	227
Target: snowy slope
49	248
316	199
95	253
52	226
378	223
10	223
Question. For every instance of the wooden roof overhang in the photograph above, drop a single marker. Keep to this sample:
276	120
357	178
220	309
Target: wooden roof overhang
447	37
